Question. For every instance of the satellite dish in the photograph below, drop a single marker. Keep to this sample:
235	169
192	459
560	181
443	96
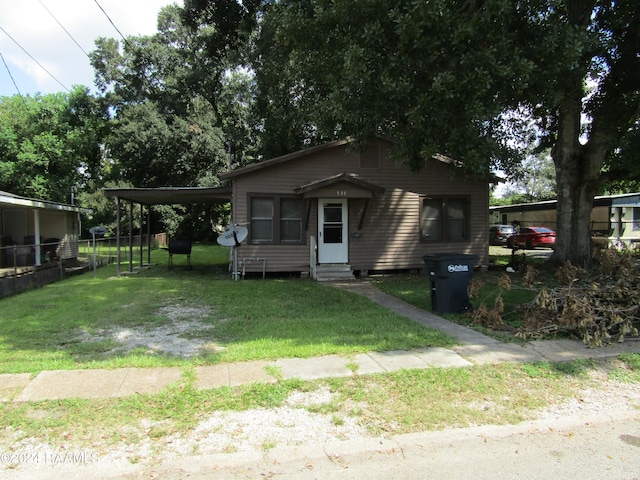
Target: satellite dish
233	236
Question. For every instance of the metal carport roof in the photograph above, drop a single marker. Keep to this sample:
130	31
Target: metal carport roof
170	195
159	196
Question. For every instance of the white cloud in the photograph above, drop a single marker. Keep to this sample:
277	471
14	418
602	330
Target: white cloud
30	24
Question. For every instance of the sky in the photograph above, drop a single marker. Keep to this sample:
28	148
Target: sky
37	26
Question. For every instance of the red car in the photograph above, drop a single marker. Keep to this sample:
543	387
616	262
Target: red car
532	237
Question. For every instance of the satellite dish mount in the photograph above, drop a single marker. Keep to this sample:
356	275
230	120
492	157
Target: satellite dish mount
233	237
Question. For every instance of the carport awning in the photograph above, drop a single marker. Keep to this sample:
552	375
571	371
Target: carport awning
349	185
171	195
160	196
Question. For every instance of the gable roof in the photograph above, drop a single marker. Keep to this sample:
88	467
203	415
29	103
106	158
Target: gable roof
310	151
367	188
282	159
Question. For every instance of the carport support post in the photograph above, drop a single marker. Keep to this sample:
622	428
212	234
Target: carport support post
117	236
149	234
141	225
36	228
130	237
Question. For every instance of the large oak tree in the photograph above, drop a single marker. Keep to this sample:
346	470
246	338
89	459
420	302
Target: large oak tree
177	113
479	80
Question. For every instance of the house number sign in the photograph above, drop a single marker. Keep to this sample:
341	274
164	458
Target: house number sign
341	193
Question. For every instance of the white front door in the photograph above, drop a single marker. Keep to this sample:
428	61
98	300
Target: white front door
333	239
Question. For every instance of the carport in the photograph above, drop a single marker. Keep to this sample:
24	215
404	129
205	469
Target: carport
147	197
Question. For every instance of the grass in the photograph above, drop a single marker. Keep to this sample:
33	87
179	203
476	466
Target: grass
629	371
254	319
402	402
63	325
414	289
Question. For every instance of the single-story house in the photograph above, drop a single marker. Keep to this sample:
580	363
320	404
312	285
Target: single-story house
331	211
615	219
35	231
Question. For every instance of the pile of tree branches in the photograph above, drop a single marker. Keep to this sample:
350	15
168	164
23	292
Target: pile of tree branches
599	306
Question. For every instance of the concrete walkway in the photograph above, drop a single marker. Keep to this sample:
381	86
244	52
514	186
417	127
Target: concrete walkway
474	348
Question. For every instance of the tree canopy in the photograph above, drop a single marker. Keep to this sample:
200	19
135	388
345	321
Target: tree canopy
482	81
50	143
177	113
477	80
533	181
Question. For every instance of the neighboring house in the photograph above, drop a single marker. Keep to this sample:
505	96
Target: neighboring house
328	209
614	218
35	231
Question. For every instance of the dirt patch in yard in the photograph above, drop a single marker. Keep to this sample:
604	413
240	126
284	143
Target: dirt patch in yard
186	334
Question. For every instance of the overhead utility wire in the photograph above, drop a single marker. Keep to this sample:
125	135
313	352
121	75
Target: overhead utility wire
126	42
31	56
12	79
114	25
65	30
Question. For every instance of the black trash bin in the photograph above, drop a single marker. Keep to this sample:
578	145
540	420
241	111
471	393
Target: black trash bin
450	275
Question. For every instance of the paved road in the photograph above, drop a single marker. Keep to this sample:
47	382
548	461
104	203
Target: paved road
589	448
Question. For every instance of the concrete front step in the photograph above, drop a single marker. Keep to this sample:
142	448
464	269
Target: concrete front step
338	271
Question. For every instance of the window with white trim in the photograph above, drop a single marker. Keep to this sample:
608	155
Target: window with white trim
275	219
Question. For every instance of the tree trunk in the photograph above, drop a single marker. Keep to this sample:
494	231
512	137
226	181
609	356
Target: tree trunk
578	175
575	201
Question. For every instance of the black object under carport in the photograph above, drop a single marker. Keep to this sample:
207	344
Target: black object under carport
450	275
179	247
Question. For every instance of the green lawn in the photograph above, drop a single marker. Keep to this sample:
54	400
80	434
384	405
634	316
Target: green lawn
414	289
69	324
253	319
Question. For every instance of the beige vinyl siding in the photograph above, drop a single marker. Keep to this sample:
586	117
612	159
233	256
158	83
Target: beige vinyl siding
389	238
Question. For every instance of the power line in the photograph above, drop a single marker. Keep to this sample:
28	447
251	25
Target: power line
65	30
32	58
144	79
12	79
114	25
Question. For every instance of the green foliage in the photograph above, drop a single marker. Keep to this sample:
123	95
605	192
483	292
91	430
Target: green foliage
178	116
534	180
403	70
50	143
478	81
236	107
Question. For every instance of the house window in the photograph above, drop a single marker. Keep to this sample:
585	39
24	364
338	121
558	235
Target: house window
444	219
636	219
275	219
290	220
262	220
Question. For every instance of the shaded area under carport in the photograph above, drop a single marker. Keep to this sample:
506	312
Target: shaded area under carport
147	197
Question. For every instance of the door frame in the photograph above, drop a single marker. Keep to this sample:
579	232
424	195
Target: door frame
333	252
